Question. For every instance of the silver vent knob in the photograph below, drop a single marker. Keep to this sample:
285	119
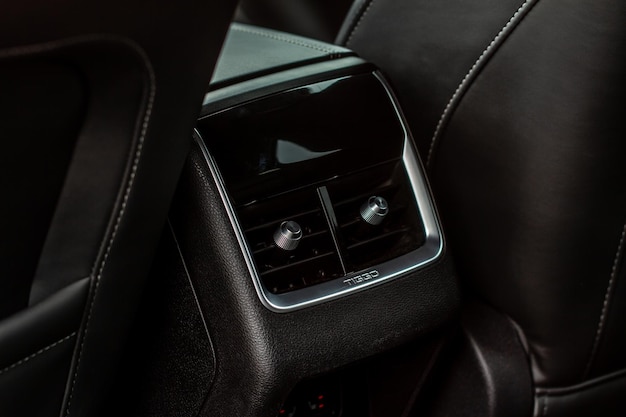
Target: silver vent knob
288	235
374	210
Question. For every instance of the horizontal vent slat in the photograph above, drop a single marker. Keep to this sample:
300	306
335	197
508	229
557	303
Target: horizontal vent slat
295	264
379	237
272	246
272	223
354	219
363	196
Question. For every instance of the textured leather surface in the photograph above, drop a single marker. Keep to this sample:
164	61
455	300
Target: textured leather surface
36	352
612	344
113	77
35	163
144	81
539	238
603	396
425	48
34	386
272	51
317	19
169	364
528	169
26	332
482	372
260	355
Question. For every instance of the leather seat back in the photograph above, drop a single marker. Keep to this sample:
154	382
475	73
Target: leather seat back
97	106
517	110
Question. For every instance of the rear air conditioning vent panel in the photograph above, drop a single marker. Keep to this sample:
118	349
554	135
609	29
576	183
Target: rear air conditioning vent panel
321	185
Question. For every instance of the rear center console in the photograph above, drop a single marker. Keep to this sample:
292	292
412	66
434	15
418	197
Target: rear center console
305	223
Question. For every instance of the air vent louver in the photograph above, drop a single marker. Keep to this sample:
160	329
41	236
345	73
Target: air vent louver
399	232
314	260
357	245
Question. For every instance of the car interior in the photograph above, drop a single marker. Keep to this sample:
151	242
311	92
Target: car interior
313	208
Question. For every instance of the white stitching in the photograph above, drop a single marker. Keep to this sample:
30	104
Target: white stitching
287	40
353	31
118	220
49	46
39	352
583	386
465	82
607	302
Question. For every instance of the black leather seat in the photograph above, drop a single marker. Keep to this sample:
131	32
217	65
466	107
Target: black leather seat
97	105
517	109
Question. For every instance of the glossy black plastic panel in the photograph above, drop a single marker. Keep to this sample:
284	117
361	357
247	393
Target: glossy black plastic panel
303	136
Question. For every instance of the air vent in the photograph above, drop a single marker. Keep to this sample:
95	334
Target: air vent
324	188
315	258
399	232
333	237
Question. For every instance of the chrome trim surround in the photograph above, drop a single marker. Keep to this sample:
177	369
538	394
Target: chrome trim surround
427	254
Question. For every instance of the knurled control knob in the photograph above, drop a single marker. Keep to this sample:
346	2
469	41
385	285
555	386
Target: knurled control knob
288	235
374	210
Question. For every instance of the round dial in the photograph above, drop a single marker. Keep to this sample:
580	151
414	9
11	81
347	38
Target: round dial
288	235
374	210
